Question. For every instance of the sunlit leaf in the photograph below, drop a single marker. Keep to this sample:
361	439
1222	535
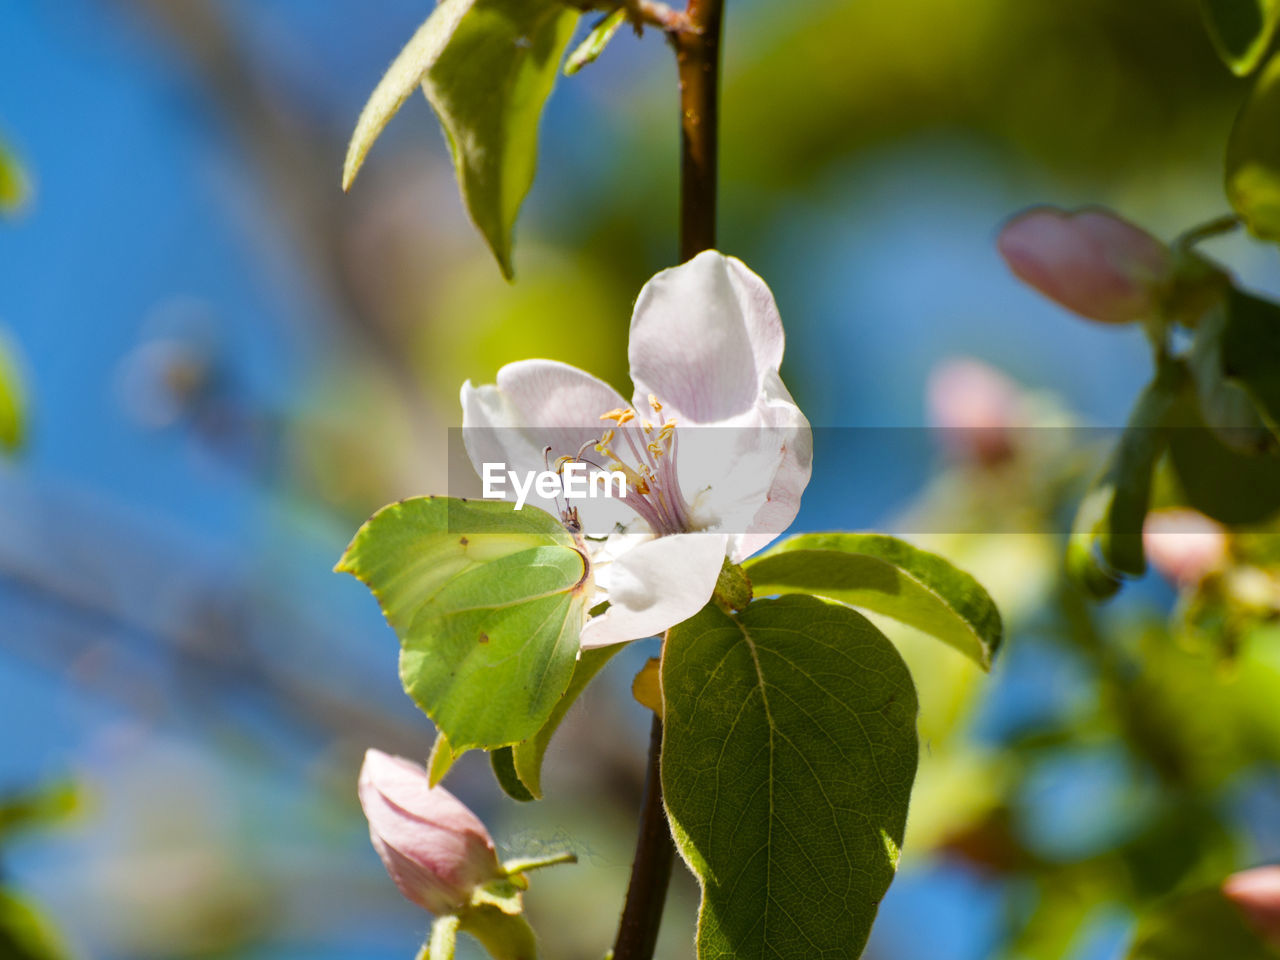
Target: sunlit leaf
1241	30
488	602
487	67
887	576
1197	926
440	761
593	45
1253	156
787	762
404	76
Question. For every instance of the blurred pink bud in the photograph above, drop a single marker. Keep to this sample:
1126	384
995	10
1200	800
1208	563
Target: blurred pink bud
1185	546
976	406
1257	894
1090	261
435	849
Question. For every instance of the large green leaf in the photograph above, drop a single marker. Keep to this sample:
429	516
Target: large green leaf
1106	542
1253	156
487	67
1198	926
887	576
488	602
12	402
788	755
1241	30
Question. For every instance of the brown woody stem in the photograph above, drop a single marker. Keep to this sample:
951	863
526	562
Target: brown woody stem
651	869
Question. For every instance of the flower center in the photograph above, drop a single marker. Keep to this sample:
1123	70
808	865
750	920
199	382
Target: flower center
644	451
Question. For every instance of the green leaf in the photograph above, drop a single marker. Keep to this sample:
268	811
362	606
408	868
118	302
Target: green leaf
887	576
1241	30
503	762
12	401
529	753
487	67
518	769
1231	487
403	77
1226	403
488	602
1195	926
788	754
440	760
1106	541
1253	156
590	49
1250	348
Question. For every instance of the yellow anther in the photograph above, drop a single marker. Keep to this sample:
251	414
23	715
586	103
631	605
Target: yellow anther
619	416
665	431
648	427
606	439
561	461
656	448
653	402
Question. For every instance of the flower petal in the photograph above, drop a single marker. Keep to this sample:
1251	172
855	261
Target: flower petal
703	337
792	438
535	404
745	476
655	585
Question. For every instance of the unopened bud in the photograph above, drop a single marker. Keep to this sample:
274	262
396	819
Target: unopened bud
1090	261
435	849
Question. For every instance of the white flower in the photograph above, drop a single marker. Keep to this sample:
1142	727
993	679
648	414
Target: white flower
715	451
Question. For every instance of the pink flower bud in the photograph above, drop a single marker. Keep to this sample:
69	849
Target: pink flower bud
1257	894
435	849
977	407
1185	546
1090	261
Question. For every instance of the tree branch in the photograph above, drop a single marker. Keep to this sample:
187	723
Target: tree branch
696	39
651	869
698	62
